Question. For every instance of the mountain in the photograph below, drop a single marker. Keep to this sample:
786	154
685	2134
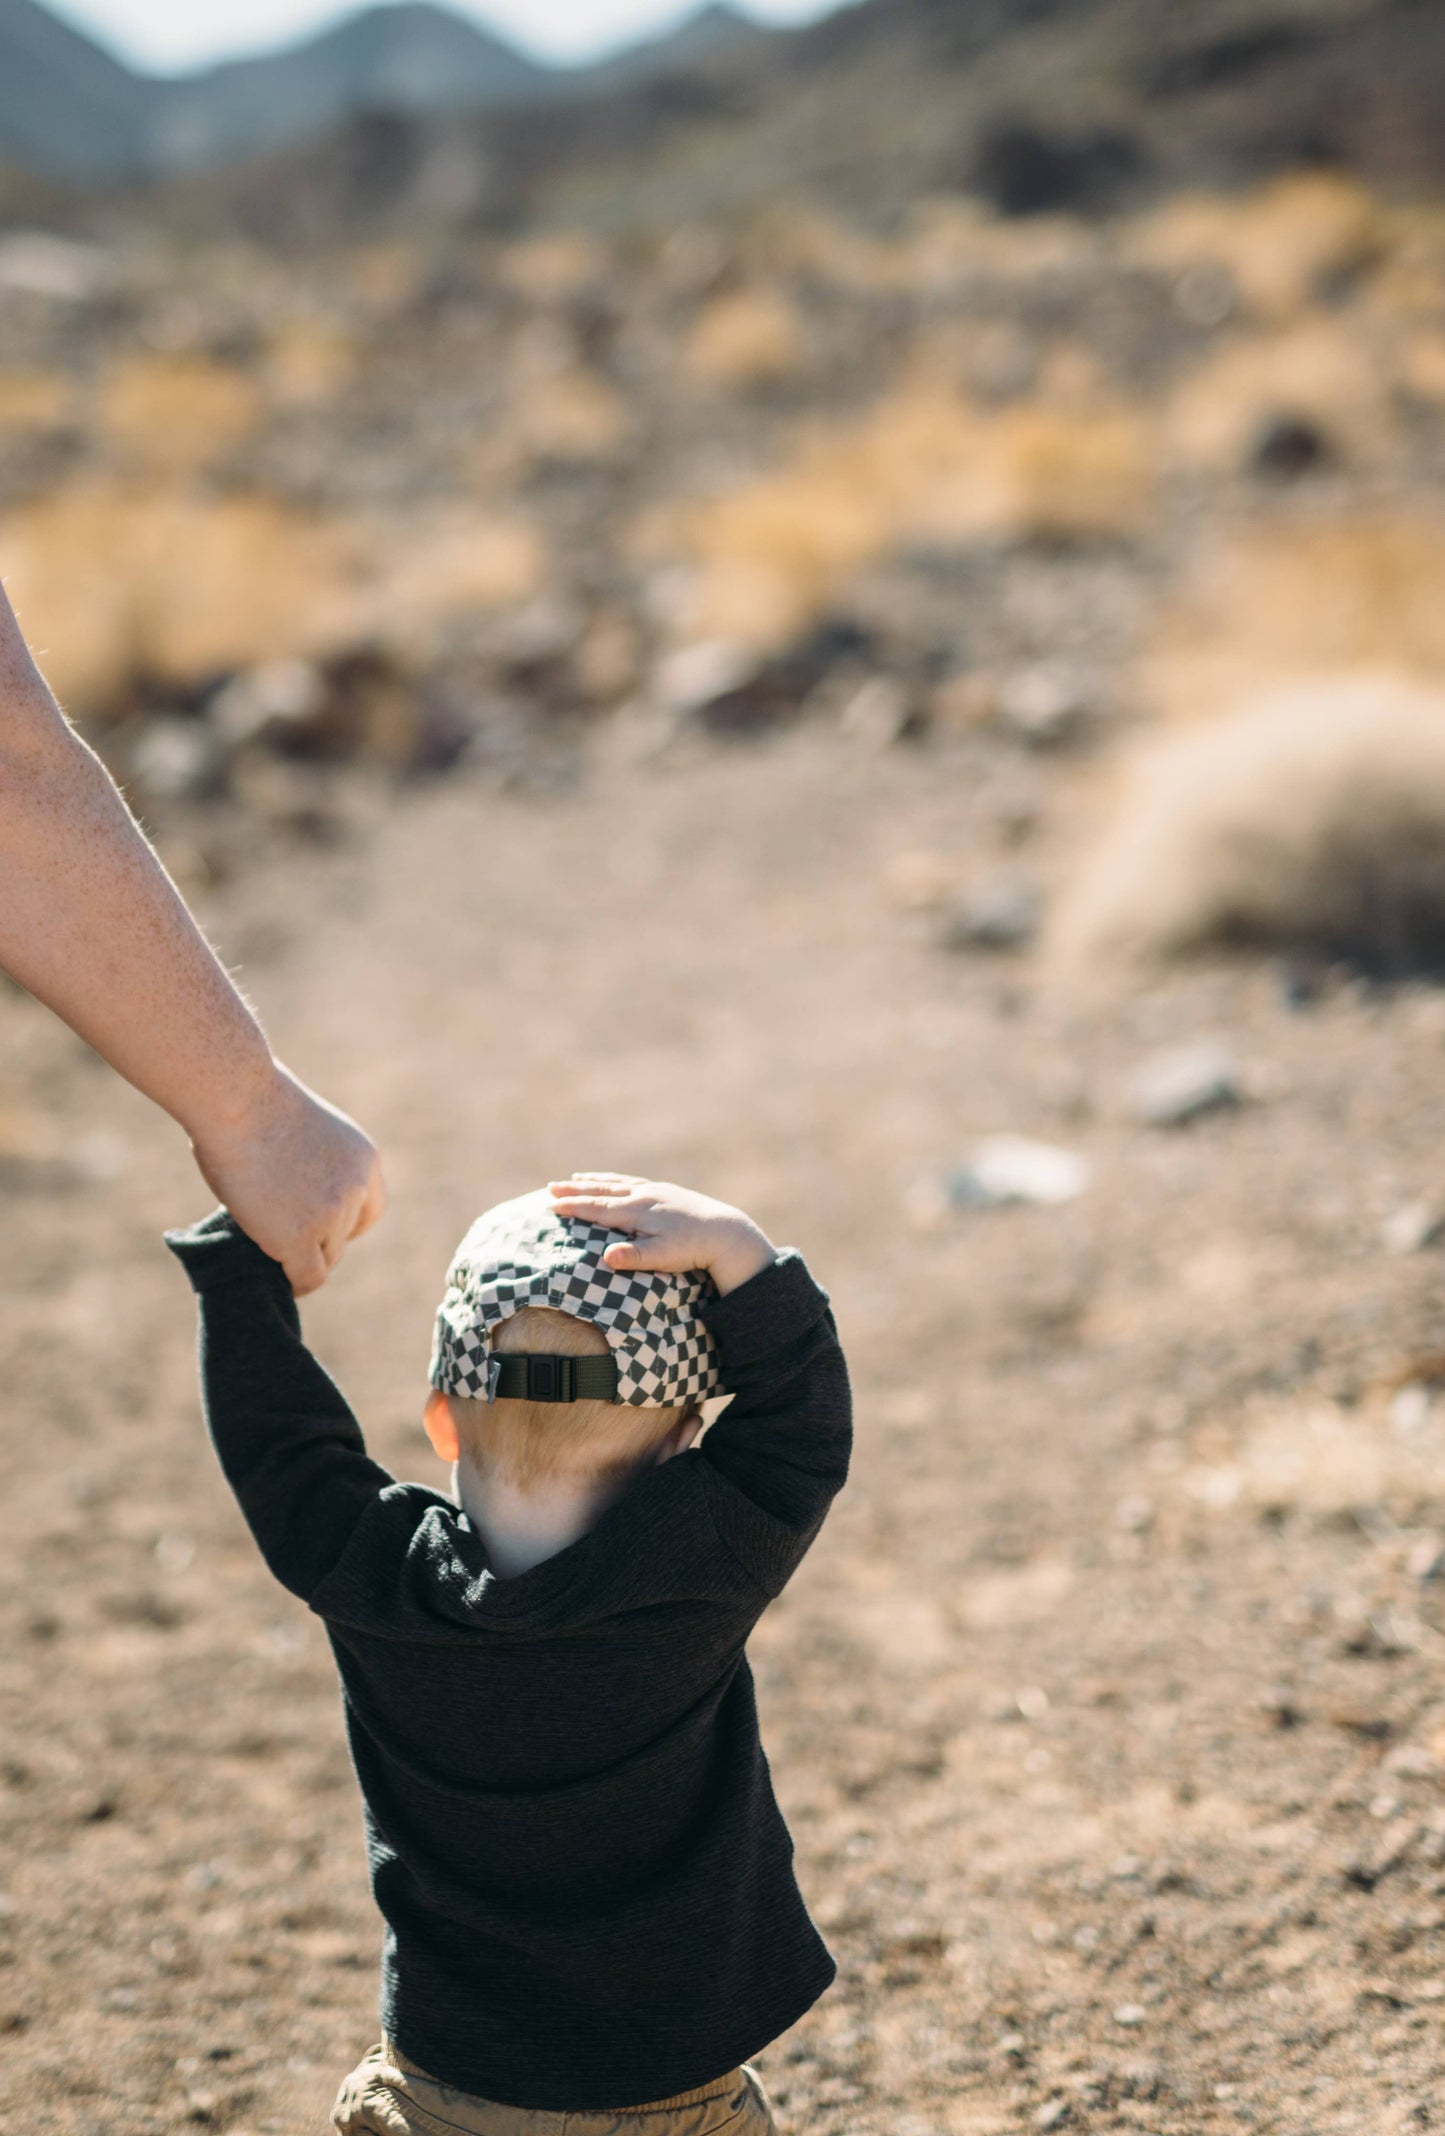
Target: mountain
1035	106
408	58
70	111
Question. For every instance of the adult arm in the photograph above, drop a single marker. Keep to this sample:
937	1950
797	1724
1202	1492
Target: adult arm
91	924
287	1442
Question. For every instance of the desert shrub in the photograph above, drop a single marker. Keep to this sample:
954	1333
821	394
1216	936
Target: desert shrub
569	414
923	467
33	400
308	361
118	586
113	584
1312	822
745	339
1281	244
176	412
1296	596
1316	371
554	265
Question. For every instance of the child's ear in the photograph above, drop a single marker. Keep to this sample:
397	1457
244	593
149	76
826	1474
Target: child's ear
681	1437
441	1426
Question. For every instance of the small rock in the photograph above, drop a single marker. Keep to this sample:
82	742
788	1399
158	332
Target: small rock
177	760
1426	1561
1052	2116
697	675
279	695
1008	1168
1001	916
882	713
1409	1408
1130	2014
1414	1227
1044	706
1182	1083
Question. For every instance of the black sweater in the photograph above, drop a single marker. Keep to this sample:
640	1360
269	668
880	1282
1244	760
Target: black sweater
572	1833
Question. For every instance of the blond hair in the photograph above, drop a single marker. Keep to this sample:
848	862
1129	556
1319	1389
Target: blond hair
525	1443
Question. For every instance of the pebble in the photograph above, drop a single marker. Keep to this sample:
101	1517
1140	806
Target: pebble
1044	705
1414	1227
1002	915
1129	2014
1182	1083
1052	2116
1009	1168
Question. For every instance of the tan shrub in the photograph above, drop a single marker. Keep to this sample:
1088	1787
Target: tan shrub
33	400
1317	369
112	584
1298	596
308	361
1311	821
1280	243
1422	367
922	466
554	265
447	563
176	412
746	339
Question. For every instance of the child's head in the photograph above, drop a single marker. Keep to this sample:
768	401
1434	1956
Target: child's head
527	1286
531	1444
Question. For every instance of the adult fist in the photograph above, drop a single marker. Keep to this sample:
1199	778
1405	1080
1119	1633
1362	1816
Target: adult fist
299	1177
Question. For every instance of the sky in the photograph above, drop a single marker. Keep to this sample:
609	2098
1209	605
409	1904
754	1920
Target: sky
167	36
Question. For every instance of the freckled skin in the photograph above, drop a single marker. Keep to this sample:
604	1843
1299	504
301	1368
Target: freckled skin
91	924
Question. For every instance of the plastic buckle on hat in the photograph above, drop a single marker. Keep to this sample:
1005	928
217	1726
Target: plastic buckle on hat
551	1379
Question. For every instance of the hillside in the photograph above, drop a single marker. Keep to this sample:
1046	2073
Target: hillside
1076	105
71	111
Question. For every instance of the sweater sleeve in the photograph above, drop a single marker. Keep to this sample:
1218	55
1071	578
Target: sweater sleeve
784	1440
288	1445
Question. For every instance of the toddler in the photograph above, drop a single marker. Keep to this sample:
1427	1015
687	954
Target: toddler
591	1914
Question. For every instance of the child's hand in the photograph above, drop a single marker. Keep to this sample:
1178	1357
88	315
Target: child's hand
672	1229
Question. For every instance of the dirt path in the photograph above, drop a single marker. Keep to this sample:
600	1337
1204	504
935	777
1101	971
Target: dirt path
1105	1710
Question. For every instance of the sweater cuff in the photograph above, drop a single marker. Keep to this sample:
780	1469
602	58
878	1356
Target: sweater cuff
217	1251
772	1309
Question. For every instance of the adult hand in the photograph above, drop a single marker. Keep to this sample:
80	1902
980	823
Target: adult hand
299	1177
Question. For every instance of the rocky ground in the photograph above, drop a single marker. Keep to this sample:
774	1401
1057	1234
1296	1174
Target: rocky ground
1107	1712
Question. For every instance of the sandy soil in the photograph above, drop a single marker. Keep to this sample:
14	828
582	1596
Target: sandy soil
1105	1712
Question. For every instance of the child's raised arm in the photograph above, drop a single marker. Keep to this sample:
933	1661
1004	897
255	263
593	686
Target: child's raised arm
784	1440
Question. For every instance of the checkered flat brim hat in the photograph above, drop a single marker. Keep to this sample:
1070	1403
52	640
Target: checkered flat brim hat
523	1253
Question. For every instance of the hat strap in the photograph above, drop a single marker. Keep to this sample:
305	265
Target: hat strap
554	1379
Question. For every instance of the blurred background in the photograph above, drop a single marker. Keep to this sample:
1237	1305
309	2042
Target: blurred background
845	603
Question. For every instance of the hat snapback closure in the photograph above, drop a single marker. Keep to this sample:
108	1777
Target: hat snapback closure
554	1379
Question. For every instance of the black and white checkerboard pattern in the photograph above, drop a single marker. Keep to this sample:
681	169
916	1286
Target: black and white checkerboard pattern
522	1253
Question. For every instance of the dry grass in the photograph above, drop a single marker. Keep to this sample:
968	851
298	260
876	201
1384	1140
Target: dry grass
119	586
554	266
923	467
746	339
113	584
1312	822
1281	244
176	413
1316	369
308	361
32	400
1299	596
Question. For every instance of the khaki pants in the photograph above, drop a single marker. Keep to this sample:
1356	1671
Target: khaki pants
386	2095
